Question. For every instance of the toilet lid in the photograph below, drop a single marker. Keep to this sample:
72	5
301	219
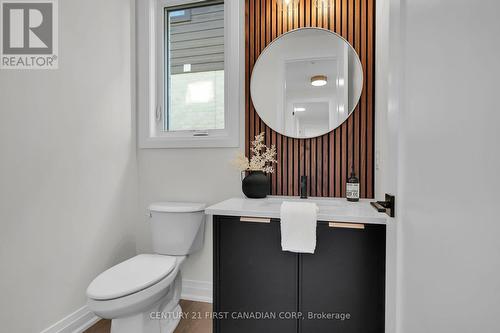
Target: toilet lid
177	207
131	276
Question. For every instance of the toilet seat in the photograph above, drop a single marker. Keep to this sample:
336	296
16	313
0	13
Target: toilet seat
138	301
131	276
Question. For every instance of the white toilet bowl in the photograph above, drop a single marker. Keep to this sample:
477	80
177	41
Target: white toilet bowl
141	295
147	304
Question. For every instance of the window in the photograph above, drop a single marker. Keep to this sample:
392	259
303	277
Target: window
194	62
192	94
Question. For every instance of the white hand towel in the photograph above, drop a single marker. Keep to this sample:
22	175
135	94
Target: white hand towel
298	226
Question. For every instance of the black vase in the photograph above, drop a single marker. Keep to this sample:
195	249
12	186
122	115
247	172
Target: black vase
255	185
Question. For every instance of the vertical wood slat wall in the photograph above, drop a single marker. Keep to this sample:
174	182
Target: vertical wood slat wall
326	160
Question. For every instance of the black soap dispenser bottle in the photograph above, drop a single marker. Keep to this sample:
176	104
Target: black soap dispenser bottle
352	188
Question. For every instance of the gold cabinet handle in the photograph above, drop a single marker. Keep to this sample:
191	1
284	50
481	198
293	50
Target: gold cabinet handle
255	219
346	225
251	219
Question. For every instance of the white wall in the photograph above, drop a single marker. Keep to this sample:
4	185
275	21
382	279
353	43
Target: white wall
448	163
68	178
193	175
197	175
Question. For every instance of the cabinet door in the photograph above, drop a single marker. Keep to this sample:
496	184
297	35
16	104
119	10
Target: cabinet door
253	277
346	275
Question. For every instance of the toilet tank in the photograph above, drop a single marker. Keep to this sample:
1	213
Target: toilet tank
178	228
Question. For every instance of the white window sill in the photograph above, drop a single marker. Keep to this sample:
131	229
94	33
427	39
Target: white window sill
219	141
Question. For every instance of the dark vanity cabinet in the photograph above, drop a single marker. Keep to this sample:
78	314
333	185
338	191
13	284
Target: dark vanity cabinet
346	275
252	275
260	288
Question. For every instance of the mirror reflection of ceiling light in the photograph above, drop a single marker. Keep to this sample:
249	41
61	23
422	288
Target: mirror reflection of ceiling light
319	80
341	108
299	109
340	82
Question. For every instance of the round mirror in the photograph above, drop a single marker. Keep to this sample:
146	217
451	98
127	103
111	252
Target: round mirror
306	82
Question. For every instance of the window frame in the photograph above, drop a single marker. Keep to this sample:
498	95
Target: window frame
151	73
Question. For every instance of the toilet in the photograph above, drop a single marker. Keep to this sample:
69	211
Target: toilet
141	294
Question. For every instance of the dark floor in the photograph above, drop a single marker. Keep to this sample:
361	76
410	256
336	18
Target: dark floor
189	325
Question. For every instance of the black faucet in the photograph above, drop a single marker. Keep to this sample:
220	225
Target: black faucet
303	187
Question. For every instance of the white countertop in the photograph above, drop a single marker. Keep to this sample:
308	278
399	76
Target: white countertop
330	209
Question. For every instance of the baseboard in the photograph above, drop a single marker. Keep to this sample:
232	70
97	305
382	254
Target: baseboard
200	291
83	318
76	322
